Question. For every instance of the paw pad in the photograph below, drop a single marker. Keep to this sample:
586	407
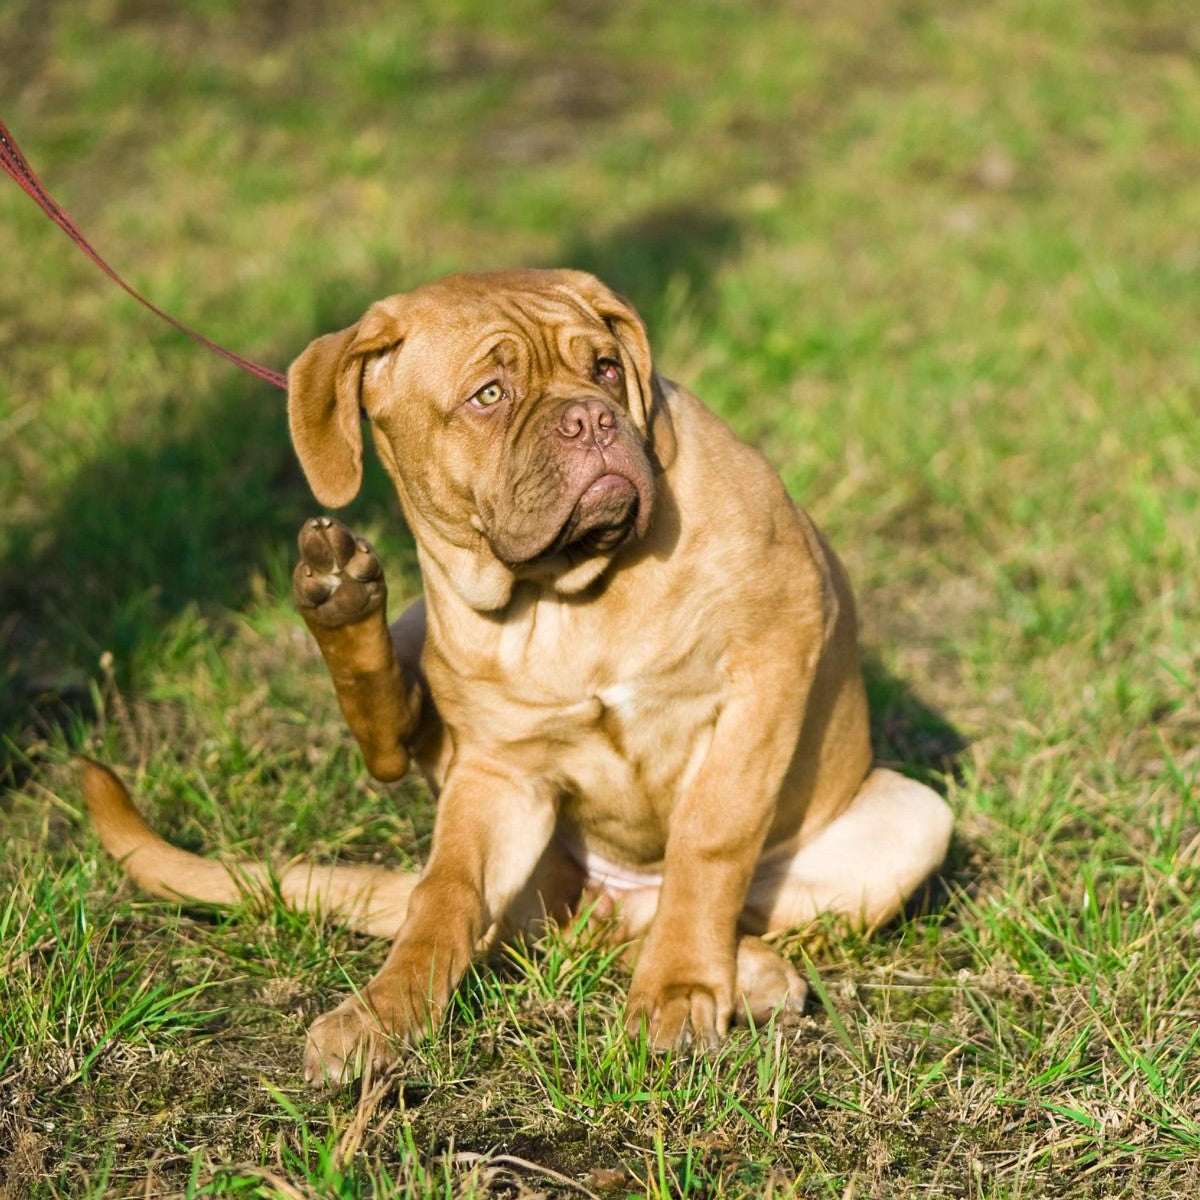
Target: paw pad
339	578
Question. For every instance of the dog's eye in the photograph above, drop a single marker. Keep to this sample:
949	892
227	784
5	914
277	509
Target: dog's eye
608	370
493	393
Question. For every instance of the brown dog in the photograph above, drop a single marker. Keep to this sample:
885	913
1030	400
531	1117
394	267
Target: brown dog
634	669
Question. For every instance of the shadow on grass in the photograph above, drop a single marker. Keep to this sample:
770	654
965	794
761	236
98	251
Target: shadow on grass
207	493
188	512
914	737
906	730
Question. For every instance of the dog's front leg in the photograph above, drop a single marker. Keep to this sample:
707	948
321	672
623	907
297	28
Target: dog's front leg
339	588
684	982
490	833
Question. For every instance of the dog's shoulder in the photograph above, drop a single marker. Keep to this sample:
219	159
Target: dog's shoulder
732	499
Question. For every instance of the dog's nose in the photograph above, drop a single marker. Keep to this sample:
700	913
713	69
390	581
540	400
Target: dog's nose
588	422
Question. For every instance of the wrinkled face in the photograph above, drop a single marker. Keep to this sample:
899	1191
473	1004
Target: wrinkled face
510	411
509	417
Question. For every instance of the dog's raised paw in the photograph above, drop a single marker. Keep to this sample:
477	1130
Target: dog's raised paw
339	578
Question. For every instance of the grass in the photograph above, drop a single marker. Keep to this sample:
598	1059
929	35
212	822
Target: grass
940	263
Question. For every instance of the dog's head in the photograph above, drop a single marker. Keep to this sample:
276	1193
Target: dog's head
513	412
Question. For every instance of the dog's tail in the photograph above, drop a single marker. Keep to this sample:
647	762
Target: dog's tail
371	900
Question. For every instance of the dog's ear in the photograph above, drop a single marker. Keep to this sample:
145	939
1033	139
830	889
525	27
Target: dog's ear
325	400
630	330
323	418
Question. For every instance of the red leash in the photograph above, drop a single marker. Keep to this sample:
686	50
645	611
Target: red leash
14	163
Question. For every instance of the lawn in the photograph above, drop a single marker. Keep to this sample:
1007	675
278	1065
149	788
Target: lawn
941	263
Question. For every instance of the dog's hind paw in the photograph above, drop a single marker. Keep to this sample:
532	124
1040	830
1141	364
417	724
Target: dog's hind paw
339	578
767	986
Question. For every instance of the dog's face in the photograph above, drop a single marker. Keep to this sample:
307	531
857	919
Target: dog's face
512	411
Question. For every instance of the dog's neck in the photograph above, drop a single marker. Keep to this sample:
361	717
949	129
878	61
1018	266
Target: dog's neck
459	575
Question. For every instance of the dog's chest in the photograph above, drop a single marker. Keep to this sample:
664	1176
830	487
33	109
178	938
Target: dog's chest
628	754
619	758
618	719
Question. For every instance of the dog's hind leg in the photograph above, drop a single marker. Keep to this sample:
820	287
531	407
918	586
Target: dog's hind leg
339	588
863	866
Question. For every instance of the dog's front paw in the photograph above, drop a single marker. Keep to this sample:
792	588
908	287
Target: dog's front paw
344	1042
402	1004
339	578
678	1009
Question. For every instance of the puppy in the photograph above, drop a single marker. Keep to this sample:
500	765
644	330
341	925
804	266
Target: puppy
634	670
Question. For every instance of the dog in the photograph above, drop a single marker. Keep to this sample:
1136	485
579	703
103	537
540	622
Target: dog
633	677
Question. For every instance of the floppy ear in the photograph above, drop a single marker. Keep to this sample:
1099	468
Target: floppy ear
324	402
622	318
323	418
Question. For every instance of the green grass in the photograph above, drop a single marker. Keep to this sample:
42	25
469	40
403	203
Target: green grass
941	263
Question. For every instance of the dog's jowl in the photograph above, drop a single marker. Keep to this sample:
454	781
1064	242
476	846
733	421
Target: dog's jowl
633	675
